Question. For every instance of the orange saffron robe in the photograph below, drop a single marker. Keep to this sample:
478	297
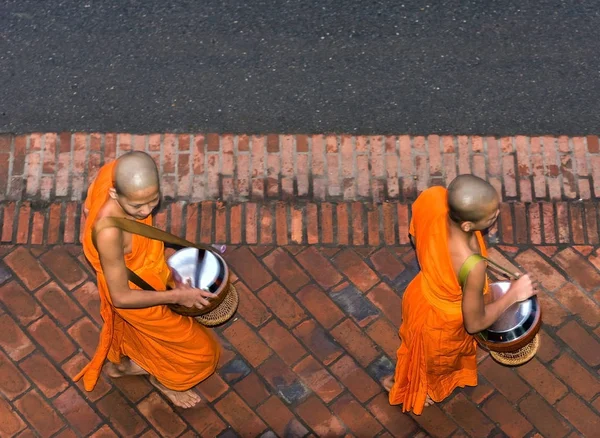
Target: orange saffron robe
175	349
437	354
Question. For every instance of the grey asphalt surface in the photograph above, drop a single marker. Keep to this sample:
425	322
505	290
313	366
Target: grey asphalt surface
255	66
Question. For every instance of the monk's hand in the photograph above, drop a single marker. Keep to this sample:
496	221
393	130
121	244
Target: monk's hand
191	297
522	288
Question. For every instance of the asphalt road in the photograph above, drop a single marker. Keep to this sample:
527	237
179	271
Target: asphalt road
256	66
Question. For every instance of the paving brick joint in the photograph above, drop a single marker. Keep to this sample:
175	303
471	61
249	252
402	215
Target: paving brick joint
320	282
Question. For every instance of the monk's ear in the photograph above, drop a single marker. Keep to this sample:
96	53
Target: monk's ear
466	226
112	193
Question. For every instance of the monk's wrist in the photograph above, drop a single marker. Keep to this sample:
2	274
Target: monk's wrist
174	296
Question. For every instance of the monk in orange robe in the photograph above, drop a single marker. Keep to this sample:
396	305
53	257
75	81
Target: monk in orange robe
141	335
439	315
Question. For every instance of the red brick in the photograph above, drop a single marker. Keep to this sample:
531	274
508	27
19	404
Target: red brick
12	381
319	418
356	270
312	224
206	217
581	342
88	297
37	229
266	225
388	302
282	342
11	423
15	343
545	419
318	379
161	415
249	268
582	417
468	416
86	334
362	386
213	387
281	228
358	237
286	269
356	417
247	342
542	380
385	335
281	378
504	380
342	224
104	432
319	267
297	232
77	412
386	264
399	424
282	304
579	304
58	303
39	414
579	268
326	223
576	376
280	419
318	341
8	222
204	420
483	390
506	225
235	224
52	339
45	376
26	268
533	263
592	223
355	342
252	390
20	302
74	365
553	314
548	348
502	412
250	307
320	305
239	415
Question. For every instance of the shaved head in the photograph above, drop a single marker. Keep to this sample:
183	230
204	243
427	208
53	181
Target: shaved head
470	199
135	172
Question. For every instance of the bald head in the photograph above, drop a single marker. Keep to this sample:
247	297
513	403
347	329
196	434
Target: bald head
470	198
135	172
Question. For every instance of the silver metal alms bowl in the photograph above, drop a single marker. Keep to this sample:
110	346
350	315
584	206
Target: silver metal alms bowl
516	327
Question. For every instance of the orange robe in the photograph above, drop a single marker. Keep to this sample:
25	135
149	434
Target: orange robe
437	354
175	349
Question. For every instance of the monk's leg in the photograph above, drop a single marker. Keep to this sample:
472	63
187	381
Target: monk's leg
126	367
183	399
428	401
388	382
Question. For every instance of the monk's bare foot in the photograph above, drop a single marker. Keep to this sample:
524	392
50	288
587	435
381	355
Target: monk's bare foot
388	382
429	401
183	399
127	367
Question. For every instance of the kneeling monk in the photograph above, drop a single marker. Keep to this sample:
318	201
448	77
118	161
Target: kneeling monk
141	335
439	315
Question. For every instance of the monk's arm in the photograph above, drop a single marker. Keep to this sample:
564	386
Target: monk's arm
478	316
110	248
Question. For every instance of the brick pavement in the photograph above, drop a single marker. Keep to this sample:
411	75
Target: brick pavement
321	282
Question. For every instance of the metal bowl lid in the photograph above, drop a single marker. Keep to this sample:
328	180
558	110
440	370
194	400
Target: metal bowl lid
185	262
513	317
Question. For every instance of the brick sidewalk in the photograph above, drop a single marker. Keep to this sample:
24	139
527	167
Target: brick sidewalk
321	281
